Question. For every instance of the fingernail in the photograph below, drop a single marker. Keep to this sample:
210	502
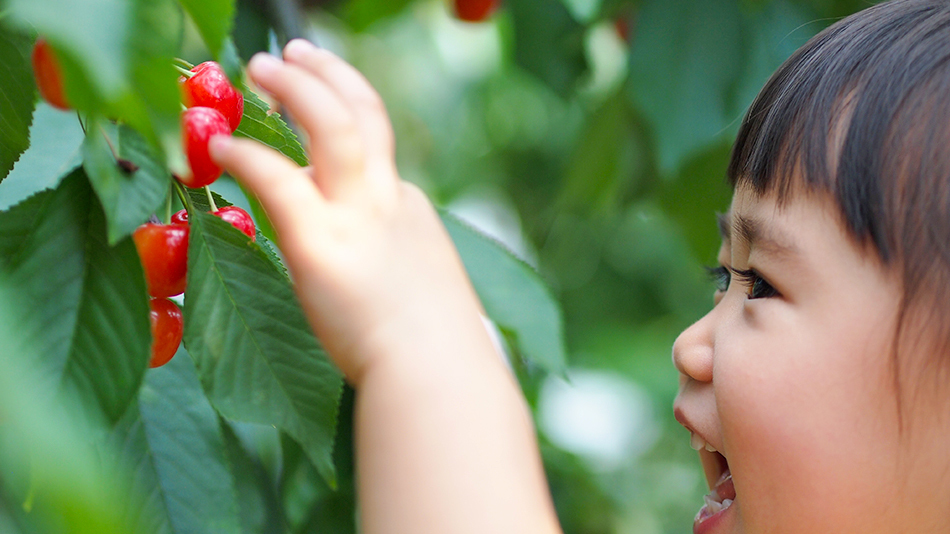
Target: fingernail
263	64
218	145
298	46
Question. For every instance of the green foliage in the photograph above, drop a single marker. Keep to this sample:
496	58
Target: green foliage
129	188
16	98
85	310
513	295
613	175
549	43
173	442
213	19
256	355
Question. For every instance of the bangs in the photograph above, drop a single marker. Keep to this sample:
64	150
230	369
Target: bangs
862	112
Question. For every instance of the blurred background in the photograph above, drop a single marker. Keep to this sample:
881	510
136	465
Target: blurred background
591	138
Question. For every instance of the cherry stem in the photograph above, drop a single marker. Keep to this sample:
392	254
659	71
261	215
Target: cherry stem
184	72
81	125
181	194
168	205
210	199
183	63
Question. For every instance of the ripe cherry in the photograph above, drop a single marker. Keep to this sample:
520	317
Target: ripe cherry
167	329
474	10
238	218
199	124
163	249
210	87
48	75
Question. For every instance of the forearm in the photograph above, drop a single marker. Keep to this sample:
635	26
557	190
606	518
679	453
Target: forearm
447	445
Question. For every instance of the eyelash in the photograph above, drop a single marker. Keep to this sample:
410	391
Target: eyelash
758	288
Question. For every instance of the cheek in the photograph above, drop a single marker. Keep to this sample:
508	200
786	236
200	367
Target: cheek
803	408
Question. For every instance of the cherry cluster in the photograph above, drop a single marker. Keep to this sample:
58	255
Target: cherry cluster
213	106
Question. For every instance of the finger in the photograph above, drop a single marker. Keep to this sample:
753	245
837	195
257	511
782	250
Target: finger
364	102
336	148
287	194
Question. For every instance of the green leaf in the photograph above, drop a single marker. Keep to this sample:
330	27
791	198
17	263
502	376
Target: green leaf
128	197
214	19
683	65
514	296
116	58
86	311
55	140
608	162
173	442
17	98
256	355
46	453
361	14
200	201
269	129
549	43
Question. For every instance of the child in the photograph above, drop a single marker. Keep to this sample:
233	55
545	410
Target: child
815	390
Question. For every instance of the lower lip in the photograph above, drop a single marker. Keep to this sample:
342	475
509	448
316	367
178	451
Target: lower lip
710	524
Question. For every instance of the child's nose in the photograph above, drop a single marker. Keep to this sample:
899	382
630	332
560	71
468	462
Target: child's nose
693	350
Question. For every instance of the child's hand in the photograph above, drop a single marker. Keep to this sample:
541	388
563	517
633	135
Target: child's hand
373	266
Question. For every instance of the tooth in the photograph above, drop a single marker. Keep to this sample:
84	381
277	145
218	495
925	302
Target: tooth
696	442
712	505
710	448
726	503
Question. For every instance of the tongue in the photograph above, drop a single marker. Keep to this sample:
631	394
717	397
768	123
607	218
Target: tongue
724	489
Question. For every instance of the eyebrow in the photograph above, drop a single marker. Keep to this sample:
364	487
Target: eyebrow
753	233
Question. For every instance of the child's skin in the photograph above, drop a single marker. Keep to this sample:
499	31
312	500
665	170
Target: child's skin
804	401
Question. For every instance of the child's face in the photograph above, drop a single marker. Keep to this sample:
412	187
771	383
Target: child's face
790	377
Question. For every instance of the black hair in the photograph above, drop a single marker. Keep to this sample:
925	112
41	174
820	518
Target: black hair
862	112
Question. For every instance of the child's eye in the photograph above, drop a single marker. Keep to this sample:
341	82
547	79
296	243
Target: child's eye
758	288
720	277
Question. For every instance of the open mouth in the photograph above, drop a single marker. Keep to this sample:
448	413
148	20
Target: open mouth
722	492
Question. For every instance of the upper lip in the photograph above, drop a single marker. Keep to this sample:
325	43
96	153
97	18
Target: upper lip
713	461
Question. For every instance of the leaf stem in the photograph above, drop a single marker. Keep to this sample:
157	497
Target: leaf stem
81	125
210	199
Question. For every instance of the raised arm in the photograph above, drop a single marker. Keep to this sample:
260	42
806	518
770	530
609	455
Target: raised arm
444	439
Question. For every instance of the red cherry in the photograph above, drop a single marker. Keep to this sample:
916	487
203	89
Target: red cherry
199	124
167	329
474	10
238	218
180	217
163	249
49	78
210	87
232	214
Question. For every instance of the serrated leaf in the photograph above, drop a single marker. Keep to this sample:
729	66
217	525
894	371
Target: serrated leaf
127	196
55	140
683	65
17	98
549	43
214	19
200	201
86	312
257	357
172	441
514	296
269	129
